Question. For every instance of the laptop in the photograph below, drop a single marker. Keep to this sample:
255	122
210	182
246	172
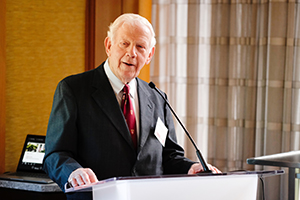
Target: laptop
31	162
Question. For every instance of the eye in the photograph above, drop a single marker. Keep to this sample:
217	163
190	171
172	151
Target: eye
142	47
123	44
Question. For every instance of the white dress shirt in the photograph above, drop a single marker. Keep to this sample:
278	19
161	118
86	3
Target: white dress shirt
117	86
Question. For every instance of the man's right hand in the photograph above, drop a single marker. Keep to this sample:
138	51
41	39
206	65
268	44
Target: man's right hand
82	176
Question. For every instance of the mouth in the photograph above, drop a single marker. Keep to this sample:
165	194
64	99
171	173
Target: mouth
128	64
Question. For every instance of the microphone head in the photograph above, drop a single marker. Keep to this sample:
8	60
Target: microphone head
152	85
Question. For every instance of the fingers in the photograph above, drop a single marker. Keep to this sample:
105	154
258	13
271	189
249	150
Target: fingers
92	175
214	169
197	168
82	176
78	178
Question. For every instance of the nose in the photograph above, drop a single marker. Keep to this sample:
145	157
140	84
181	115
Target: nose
131	51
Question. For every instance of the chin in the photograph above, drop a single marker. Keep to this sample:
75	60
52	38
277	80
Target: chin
129	75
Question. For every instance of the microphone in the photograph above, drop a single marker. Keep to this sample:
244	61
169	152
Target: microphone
199	155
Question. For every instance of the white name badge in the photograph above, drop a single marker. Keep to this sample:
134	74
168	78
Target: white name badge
161	131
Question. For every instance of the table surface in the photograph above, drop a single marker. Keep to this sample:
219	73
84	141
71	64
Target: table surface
51	187
288	159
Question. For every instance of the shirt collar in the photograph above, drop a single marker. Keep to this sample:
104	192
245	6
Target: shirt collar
117	84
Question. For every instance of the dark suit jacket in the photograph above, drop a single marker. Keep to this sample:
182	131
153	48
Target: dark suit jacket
87	129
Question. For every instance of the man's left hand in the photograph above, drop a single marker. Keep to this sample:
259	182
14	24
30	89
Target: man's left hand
197	168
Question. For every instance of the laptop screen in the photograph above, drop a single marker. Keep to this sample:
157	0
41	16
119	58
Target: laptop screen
32	154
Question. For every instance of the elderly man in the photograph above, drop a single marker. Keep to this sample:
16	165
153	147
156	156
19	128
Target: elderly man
103	121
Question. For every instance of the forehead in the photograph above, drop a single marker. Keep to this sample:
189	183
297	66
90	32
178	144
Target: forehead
135	31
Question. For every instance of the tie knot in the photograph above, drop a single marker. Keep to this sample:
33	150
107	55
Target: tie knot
126	89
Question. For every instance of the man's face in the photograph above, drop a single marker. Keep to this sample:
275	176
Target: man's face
129	51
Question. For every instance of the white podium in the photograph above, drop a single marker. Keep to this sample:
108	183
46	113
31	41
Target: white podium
238	185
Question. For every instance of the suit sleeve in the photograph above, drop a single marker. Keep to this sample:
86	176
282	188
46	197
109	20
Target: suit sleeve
174	160
61	139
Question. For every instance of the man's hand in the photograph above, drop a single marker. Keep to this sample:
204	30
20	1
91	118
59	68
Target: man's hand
82	176
197	167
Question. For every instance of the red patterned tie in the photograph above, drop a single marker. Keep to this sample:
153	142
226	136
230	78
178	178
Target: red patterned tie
128	112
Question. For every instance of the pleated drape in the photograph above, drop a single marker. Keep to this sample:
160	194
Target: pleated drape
231	71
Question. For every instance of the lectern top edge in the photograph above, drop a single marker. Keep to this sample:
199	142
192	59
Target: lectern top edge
234	173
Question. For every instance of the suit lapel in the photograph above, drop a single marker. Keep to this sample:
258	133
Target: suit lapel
146	107
106	99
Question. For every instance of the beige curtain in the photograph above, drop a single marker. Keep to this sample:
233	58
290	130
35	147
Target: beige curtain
231	70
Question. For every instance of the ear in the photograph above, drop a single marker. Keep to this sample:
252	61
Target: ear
150	55
107	44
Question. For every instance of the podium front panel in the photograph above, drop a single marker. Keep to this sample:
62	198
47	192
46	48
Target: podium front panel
242	187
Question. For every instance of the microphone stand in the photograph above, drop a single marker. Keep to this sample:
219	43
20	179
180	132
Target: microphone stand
199	155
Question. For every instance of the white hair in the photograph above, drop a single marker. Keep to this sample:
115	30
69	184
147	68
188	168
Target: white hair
130	18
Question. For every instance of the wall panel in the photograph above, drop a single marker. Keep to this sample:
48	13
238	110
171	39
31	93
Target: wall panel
45	41
2	84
